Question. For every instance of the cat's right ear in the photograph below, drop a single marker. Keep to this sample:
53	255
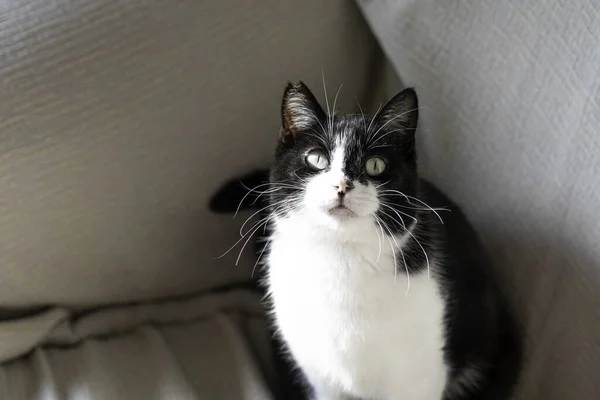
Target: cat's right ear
401	112
300	110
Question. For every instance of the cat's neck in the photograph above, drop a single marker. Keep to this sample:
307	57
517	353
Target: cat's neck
411	246
358	231
321	228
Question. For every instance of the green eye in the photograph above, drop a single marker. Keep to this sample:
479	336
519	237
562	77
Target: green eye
375	166
317	160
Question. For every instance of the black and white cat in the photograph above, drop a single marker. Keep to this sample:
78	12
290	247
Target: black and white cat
378	286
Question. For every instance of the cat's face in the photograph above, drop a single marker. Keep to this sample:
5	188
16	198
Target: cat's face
347	168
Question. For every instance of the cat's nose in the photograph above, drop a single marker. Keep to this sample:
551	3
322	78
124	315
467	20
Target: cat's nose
343	187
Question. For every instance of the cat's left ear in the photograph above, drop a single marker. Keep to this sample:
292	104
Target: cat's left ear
401	112
300	110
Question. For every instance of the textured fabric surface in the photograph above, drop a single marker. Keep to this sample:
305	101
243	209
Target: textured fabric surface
511	129
118	120
202	347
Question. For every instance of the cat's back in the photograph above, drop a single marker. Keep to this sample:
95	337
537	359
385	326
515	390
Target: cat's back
483	326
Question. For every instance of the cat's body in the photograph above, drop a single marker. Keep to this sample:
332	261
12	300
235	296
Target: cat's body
353	338
378	286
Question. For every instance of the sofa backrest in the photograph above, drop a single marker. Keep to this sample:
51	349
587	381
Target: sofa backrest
119	119
510	128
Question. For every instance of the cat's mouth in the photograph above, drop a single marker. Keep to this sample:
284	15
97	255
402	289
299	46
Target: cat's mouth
342	211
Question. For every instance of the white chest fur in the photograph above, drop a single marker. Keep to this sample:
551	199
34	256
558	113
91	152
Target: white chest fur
348	318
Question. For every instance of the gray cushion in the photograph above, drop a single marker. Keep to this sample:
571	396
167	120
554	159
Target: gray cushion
201	347
511	129
118	120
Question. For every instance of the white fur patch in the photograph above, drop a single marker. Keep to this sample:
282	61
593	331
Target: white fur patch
321	192
342	307
300	114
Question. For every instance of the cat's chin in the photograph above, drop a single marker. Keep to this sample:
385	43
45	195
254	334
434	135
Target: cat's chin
343	219
341	212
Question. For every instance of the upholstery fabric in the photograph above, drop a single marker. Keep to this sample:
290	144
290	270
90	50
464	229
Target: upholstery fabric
119	119
510	124
200	347
117	122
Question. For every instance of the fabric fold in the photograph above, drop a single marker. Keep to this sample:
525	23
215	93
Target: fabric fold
185	349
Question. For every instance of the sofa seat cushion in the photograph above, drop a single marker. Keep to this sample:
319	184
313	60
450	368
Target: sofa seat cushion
210	346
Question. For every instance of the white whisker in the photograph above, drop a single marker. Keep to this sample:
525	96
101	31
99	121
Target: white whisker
258	212
394	118
275	187
424	253
362	114
416	240
326	101
388	122
391	191
334	104
380	185
381	146
400	221
316	135
260	255
372	146
373	119
393	237
379	239
237	261
278	211
428	207
235	244
398	213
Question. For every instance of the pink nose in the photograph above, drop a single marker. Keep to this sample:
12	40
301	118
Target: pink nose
343	187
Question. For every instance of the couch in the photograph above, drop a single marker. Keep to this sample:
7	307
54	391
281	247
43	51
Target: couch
118	120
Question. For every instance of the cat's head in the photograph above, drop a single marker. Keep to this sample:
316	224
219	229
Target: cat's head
345	168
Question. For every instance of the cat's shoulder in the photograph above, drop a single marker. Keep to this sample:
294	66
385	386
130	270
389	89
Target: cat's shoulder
451	221
434	196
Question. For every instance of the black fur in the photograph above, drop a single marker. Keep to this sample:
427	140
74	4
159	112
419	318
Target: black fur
480	329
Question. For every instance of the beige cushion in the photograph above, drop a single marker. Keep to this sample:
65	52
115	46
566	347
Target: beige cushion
118	120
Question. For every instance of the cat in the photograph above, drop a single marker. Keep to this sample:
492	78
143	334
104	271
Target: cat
377	285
